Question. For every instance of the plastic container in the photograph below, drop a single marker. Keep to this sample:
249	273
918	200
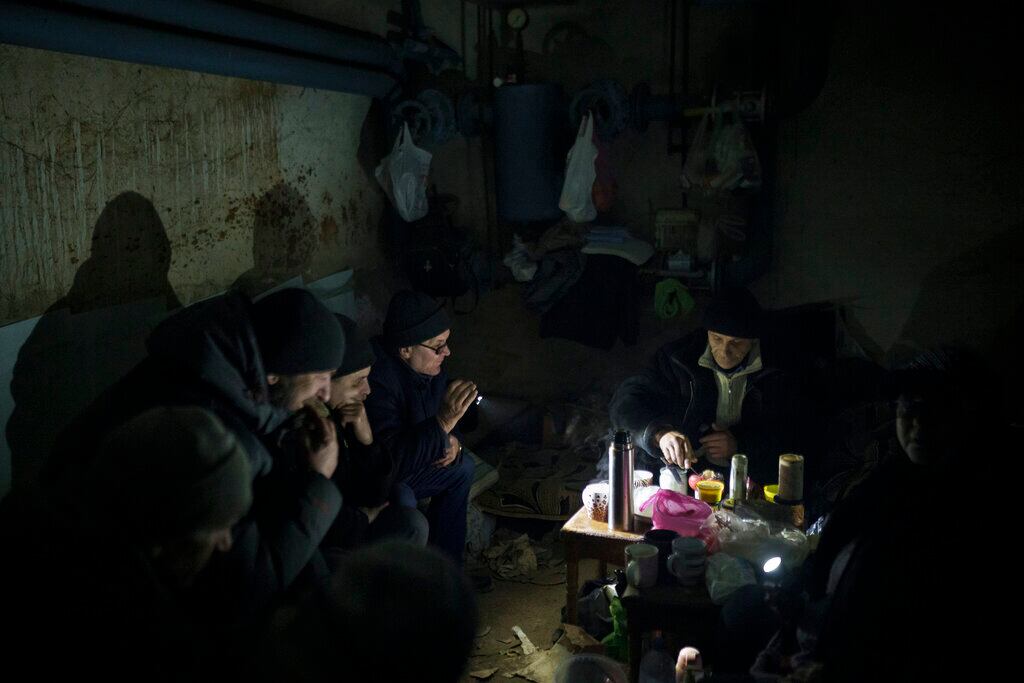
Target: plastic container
710	491
738	478
676	229
667	481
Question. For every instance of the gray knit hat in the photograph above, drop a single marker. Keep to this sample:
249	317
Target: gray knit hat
170	472
413	317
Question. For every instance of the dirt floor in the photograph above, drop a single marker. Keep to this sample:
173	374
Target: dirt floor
536	609
516	363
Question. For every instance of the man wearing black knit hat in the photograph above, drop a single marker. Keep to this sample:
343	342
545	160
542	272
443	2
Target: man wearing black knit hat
414	410
365	471
711	395
253	365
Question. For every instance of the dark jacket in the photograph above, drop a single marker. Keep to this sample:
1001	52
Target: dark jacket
73	592
677	393
206	355
365	475
402	408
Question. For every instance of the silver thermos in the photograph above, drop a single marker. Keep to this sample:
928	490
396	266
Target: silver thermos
620	482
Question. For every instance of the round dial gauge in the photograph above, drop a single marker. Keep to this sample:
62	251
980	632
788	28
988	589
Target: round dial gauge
517	19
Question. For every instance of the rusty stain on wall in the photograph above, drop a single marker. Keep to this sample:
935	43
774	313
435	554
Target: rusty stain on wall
180	140
328	229
75	132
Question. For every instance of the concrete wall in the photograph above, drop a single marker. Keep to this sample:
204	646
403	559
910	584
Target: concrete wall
900	187
231	171
128	190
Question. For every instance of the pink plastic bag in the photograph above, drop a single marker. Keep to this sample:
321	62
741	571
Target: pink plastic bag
682	514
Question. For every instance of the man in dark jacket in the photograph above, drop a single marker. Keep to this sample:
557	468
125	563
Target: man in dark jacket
108	567
713	394
252	365
366	469
414	409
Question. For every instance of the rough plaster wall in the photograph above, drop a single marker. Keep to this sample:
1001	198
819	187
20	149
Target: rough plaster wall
900	188
204	151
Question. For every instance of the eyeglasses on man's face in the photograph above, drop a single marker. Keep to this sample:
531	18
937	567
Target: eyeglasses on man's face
438	350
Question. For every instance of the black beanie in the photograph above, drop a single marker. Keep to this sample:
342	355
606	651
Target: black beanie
358	352
297	334
169	472
413	317
734	313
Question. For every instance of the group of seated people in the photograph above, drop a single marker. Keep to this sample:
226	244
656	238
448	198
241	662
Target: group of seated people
883	593
247	500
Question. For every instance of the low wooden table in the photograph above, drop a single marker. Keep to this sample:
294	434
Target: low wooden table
585	538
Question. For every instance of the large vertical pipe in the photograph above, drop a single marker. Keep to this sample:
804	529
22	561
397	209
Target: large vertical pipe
529	159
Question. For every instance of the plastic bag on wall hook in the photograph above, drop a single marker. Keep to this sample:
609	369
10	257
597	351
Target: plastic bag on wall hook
577	192
403	175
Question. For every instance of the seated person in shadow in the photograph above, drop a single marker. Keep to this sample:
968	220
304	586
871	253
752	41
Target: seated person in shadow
874	601
414	411
365	473
104	571
253	365
712	394
391	612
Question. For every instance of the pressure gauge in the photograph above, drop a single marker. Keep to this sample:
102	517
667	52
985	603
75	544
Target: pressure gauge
517	19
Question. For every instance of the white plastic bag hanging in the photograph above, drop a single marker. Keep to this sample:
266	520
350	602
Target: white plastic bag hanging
722	157
403	175
576	200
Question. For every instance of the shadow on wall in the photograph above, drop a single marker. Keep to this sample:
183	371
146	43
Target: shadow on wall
284	239
94	334
975	301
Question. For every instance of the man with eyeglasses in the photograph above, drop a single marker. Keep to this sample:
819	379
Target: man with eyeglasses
414	409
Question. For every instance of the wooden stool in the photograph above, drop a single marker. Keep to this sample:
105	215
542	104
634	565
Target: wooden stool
585	538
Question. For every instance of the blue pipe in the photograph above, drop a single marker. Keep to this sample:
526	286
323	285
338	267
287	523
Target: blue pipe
295	34
87	34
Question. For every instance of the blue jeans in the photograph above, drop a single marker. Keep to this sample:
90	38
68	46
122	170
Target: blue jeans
401	522
448	490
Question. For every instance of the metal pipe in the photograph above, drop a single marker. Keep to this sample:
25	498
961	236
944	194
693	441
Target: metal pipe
50	28
672	47
260	26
